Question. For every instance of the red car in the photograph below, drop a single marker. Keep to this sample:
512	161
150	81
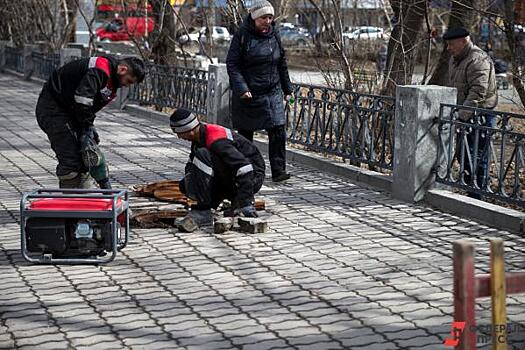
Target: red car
123	30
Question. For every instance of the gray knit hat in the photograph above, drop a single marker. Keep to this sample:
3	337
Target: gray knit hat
261	8
183	120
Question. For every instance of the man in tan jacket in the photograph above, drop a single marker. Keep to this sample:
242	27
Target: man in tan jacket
471	72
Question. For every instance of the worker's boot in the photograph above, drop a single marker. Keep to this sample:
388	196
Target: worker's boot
195	219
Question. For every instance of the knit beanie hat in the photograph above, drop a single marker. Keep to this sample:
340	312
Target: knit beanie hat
183	120
261	8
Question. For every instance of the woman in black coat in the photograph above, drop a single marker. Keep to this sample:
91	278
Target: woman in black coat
258	77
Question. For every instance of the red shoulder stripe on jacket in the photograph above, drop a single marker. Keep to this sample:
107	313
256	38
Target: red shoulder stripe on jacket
100	63
215	133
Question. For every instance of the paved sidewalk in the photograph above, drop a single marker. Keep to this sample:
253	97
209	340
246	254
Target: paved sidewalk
343	266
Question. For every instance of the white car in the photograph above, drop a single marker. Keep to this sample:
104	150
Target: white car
218	34
366	33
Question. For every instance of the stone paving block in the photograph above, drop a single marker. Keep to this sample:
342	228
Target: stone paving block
40	340
296	332
320	346
100	345
419	341
145	339
223	345
268	344
379	346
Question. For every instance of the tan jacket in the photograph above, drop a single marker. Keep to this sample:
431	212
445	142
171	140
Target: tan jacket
472	73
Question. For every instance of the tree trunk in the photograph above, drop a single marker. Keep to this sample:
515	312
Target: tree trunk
516	49
402	47
163	47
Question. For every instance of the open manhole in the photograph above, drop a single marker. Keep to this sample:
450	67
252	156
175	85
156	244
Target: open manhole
159	204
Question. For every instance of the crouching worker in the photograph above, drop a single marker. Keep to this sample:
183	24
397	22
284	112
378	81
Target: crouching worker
222	165
66	111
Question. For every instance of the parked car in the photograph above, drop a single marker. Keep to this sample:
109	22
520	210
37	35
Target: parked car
123	30
290	26
199	34
294	37
366	33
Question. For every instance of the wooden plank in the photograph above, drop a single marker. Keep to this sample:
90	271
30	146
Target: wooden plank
514	284
464	294
498	296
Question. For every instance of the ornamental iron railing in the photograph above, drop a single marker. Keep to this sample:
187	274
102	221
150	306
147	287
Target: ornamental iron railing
482	152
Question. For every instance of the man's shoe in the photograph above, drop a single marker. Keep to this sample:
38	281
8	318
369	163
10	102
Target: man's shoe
281	178
202	217
247	212
187	224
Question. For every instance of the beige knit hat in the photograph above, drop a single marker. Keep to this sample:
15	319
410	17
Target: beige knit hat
261	8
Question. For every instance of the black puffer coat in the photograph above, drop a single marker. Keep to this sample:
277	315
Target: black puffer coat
257	63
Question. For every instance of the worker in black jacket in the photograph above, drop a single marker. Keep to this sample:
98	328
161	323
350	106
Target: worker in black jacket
222	165
66	110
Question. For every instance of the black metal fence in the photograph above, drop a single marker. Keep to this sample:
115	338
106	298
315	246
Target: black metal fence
14	59
44	64
482	152
353	126
168	86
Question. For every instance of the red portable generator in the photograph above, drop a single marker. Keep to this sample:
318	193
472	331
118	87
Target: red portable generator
73	226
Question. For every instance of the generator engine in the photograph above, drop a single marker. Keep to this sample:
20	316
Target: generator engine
69	237
73	226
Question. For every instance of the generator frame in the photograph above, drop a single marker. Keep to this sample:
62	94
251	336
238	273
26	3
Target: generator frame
120	239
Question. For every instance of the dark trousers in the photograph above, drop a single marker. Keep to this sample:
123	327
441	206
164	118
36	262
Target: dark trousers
209	181
276	148
482	155
62	135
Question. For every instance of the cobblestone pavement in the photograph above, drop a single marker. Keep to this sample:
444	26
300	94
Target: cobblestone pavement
343	266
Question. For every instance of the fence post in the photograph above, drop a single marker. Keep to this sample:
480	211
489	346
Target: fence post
416	139
218	98
3	45
68	54
121	99
498	294
464	294
28	61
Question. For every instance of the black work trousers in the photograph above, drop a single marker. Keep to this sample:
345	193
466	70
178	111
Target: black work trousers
209	181
62	134
276	148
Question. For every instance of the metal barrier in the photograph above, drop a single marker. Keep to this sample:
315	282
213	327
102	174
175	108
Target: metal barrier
469	286
14	59
44	64
353	126
482	152
167	86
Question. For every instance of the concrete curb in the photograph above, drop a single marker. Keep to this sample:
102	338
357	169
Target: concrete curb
494	215
317	161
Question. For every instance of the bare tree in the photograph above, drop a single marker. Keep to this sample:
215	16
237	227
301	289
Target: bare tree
161	41
403	44
28	21
516	43
333	27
